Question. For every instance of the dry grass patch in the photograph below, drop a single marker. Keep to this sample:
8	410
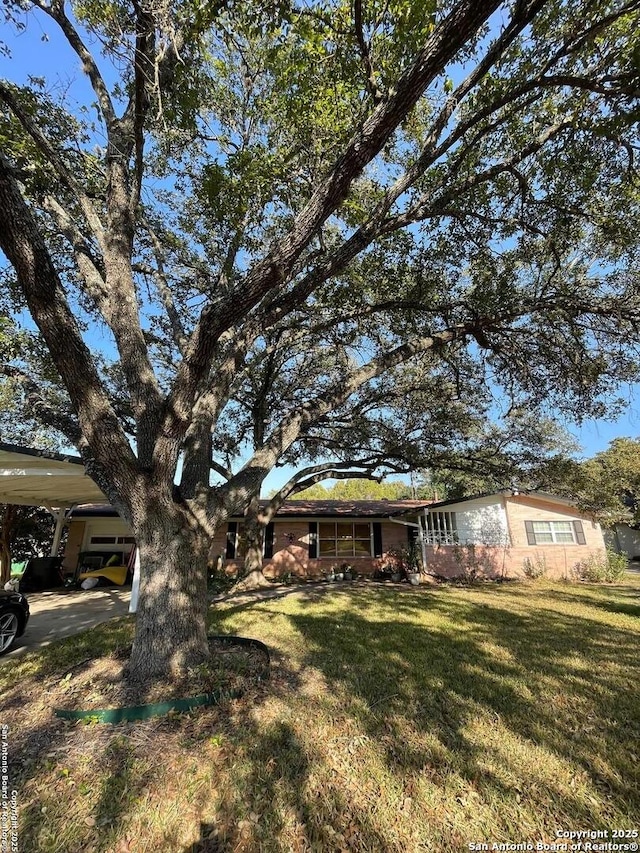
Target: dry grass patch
101	683
395	720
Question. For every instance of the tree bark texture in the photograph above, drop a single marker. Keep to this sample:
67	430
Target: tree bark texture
254	530
102	435
254	539
171	621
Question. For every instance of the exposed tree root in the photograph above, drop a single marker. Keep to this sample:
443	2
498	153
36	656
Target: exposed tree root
254	580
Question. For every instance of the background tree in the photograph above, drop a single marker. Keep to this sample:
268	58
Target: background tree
438	183
358	490
611	483
607	484
25	532
435	415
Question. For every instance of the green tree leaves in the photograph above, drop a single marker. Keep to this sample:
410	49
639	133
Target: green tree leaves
609	483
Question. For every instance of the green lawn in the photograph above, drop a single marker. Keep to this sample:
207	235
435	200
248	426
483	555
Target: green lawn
395	720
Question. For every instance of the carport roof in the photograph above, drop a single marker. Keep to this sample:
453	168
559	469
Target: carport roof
42	478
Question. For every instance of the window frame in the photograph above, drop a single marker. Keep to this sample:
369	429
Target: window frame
336	555
111	539
103	540
575	529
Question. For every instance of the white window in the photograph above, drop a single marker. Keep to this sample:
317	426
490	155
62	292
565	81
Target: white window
554	532
442	528
103	540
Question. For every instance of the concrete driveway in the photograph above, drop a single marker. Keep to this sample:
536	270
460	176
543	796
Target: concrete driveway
56	614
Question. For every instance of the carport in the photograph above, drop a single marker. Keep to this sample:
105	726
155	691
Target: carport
58	482
55	481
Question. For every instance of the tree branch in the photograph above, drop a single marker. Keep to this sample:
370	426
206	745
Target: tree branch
431	153
225	473
450	34
249	478
65	174
427	207
313	474
56	12
88	265
50	415
164	290
365	53
22	243
142	78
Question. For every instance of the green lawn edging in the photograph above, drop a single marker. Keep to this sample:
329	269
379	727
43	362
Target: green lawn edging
135	713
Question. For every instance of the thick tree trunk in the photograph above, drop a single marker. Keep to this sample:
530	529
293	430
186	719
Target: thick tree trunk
253	576
254	544
171	620
254	580
254	529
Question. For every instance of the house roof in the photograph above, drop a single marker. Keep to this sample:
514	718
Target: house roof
42	478
511	493
300	508
101	510
350	509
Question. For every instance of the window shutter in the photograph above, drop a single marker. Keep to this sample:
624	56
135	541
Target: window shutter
577	526
412	536
232	529
268	541
313	540
531	536
377	539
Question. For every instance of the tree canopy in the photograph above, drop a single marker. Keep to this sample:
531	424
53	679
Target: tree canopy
608	483
349	193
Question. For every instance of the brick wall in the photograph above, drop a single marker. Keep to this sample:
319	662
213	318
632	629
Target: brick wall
291	546
293	556
508	561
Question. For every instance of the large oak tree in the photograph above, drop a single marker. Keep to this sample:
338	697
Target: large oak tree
437	183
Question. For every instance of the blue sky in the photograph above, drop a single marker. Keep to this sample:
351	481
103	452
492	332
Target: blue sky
33	55
594	436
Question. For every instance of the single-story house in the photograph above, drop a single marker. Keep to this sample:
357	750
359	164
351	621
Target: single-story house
495	535
306	538
503	534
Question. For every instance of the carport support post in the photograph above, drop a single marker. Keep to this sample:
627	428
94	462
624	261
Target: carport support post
60	516
135	586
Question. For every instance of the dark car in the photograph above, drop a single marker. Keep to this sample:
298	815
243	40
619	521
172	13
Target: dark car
14	615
